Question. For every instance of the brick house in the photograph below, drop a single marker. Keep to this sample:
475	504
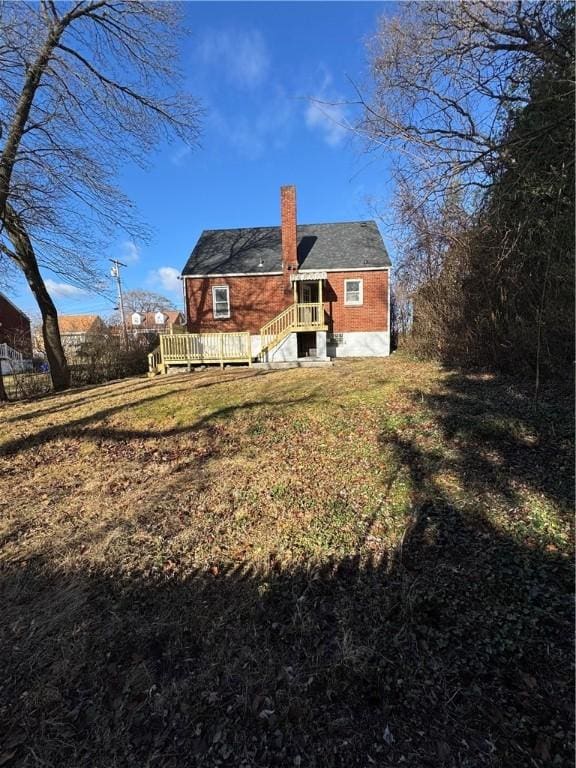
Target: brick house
15	327
15	338
159	321
308	290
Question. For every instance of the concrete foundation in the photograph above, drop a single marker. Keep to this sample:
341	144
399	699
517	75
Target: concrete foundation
305	362
359	344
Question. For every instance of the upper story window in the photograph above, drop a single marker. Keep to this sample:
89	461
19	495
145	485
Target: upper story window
353	292
221	301
136	318
160	318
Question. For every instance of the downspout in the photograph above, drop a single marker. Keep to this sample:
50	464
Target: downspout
389	329
185	297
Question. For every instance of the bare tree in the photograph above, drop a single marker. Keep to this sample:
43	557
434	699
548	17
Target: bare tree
475	102
146	301
84	87
446	76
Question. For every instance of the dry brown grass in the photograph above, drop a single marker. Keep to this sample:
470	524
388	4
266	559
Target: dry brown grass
350	566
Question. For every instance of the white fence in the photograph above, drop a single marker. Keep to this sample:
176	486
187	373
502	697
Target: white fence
13	361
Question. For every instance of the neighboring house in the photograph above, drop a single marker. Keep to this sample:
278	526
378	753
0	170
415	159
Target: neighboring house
160	321
310	290
76	330
15	337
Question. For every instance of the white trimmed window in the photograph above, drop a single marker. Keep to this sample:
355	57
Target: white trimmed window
221	301
353	293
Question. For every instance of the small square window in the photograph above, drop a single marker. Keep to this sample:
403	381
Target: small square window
353	292
221	301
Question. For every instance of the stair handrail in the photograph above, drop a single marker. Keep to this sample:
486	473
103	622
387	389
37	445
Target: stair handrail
154	359
275	330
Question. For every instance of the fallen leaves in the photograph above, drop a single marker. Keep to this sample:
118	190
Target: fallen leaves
240	575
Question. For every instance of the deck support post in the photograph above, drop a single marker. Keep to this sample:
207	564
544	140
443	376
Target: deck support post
249	348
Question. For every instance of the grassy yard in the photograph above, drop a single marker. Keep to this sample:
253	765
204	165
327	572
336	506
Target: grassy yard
368	565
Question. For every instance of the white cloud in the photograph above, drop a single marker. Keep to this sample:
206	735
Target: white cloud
329	119
167	279
241	55
180	155
64	290
130	252
327	112
268	126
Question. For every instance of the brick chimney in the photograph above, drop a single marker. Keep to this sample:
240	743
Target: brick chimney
288	219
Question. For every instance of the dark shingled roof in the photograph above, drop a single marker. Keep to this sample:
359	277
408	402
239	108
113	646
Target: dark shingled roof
348	245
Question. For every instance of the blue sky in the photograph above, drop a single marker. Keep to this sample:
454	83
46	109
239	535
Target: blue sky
257	69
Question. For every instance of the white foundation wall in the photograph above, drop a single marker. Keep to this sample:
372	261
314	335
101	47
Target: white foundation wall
256	344
360	344
321	337
353	344
285	351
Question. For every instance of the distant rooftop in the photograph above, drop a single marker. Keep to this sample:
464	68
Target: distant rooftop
79	323
149	318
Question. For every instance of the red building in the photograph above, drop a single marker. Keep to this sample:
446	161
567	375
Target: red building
15	332
310	290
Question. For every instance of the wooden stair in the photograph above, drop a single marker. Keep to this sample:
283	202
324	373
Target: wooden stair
296	317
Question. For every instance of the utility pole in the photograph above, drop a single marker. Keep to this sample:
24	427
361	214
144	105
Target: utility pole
115	272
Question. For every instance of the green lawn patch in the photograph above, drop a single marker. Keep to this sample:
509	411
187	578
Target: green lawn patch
362	565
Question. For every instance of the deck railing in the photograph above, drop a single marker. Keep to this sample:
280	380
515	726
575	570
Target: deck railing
309	315
188	348
10	353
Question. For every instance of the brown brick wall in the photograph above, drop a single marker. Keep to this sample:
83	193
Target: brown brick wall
288	228
256	300
372	315
14	328
253	301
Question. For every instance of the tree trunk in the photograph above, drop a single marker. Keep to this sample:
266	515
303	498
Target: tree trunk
26	259
3	395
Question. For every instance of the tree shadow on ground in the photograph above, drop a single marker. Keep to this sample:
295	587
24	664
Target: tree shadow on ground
454	649
453	652
63	402
86	426
501	440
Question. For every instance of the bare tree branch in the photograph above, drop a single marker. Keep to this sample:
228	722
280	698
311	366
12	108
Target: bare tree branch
84	88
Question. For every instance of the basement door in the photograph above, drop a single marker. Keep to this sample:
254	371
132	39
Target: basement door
306	344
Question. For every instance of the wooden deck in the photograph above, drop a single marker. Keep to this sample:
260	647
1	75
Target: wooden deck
220	348
198	348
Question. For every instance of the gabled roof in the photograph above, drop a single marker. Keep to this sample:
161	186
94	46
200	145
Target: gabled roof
5	298
347	246
79	323
149	318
